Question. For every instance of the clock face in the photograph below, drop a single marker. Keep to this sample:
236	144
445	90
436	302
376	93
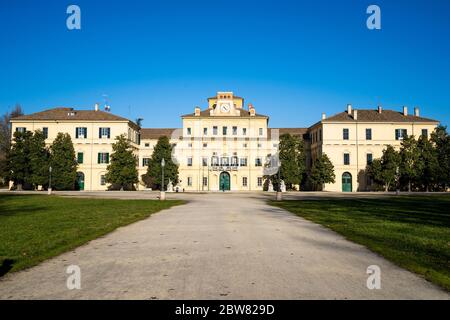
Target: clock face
225	107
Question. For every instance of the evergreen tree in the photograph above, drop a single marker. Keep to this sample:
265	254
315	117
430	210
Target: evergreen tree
293	162
429	162
410	166
441	140
163	149
39	157
322	171
18	159
63	163
390	165
5	140
122	169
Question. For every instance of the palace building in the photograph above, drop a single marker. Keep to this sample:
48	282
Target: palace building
226	145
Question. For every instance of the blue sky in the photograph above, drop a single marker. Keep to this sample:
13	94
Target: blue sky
292	59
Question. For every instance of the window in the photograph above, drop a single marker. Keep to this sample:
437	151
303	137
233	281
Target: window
369	158
189	145
234	161
345	134
425	133
215	161
204	161
320	134
104	133
205	145
234	131
346	159
189	181
80	133
260	180
224	130
189	161
260	131
80	157
225	161
189	131
21	129
145	161
243	162
400	134
244	145
244	181
368	134
205	181
45	132
259	145
205	131
244	131
102	180
215	130
103	157
147	145
258	162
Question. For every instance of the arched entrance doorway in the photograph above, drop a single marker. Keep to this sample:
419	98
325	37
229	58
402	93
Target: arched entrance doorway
80	181
346	182
224	181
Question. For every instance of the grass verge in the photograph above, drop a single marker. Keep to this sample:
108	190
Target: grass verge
35	227
411	231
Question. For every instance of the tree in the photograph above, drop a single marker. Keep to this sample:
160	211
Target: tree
18	159
63	163
410	166
293	162
122	169
5	139
39	158
384	170
429	162
441	140
322	171
163	149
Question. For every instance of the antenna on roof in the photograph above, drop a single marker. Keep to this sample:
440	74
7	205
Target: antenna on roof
107	106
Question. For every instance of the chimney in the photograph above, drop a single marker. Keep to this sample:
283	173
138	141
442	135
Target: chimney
416	112
405	110
324	116
380	108
251	109
355	114
349	109
96	107
197	111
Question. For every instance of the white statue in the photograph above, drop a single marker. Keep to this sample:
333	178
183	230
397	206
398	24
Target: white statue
270	188
282	186
170	186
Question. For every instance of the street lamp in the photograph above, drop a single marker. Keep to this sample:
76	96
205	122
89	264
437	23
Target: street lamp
50	180
163	194
279	195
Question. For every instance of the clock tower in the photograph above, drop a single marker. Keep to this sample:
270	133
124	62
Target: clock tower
225	104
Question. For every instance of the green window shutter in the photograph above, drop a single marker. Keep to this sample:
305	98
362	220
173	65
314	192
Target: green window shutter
99	157
80	157
107	158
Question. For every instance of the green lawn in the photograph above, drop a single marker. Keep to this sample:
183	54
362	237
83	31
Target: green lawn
411	231
35	227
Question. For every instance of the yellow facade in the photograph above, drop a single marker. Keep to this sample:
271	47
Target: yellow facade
227	145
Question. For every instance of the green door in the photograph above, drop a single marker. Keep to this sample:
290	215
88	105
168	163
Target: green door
347	182
224	181
80	180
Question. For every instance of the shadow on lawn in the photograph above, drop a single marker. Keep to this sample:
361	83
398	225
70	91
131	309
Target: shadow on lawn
407	210
6	265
